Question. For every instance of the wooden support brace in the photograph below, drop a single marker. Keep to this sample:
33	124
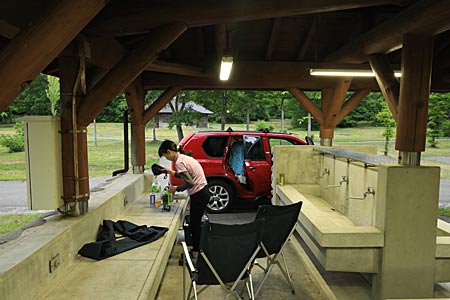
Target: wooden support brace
127	70
307	104
34	47
159	103
389	85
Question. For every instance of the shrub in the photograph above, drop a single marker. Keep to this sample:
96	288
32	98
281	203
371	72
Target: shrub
14	142
261	125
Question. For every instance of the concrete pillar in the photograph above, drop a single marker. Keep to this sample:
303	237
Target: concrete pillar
407	201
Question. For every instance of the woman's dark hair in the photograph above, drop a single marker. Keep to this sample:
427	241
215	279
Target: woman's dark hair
168	145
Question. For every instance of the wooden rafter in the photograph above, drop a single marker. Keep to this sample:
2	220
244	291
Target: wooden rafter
121	18
424	17
273	38
156	106
174	68
306	42
389	86
127	70
34	47
106	52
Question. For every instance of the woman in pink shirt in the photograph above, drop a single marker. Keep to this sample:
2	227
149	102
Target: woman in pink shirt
191	172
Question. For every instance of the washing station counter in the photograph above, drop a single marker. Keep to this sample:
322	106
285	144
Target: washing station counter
365	213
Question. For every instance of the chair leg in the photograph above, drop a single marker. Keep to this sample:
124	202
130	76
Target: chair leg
286	273
195	289
250	292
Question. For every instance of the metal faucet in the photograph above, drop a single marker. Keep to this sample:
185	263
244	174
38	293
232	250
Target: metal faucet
368	191
343	179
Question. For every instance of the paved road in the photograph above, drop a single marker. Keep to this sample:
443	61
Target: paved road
13	194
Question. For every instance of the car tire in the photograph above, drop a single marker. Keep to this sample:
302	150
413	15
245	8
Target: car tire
222	195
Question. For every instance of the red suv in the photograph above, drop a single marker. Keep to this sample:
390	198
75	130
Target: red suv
237	164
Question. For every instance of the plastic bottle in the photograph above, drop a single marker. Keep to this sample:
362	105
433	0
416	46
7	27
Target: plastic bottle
156	186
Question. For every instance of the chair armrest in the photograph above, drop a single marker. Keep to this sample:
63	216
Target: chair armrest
188	258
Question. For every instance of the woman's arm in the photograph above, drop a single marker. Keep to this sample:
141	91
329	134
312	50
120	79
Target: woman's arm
188	182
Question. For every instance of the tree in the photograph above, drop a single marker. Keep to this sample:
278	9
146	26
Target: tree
52	93
385	118
113	112
33	100
438	117
182	113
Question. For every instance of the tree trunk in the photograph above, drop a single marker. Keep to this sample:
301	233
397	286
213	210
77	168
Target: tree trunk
248	118
180	132
224	110
282	115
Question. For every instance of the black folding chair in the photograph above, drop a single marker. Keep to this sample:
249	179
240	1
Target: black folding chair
278	226
225	256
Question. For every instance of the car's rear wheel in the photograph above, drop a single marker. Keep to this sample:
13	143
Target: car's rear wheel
222	194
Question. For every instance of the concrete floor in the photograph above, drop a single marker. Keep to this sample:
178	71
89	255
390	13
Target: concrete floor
276	287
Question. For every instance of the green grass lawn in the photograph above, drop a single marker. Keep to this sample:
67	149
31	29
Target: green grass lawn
12	222
107	155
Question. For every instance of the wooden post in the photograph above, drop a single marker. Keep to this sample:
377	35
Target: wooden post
135	95
74	146
326	131
414	96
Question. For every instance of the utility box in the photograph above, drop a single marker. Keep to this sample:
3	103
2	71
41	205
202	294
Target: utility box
43	162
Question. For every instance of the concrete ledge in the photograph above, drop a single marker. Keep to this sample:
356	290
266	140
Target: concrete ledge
133	275
24	262
327	226
336	242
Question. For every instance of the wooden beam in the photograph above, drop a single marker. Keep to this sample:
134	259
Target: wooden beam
156	106
7	30
127	70
265	75
389	86
121	18
307	104
350	104
389	35
175	68
273	38
33	48
414	93
306	43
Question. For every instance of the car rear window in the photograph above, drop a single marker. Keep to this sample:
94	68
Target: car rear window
281	141
214	146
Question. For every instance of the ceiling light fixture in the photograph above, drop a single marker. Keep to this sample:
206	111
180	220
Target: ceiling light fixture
225	67
350	73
